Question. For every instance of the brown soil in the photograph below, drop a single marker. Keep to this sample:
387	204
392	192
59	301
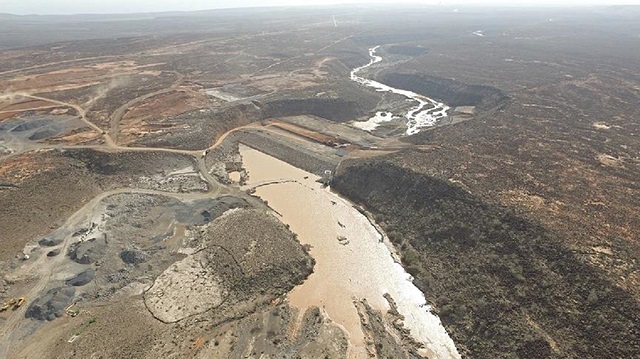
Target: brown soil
150	116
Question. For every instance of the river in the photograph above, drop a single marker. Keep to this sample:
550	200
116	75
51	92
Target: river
425	114
352	261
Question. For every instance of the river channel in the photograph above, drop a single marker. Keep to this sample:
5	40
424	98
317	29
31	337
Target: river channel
352	260
425	113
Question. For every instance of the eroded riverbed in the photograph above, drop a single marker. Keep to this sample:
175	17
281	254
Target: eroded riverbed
352	261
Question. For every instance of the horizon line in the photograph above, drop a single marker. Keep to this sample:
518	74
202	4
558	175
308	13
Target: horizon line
276	6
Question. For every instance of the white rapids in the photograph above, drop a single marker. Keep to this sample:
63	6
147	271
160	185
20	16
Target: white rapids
425	114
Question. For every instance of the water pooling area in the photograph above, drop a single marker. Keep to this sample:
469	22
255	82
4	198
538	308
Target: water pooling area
425	114
352	260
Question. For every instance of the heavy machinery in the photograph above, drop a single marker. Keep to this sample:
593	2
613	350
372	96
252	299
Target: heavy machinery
20	302
13	302
8	304
71	310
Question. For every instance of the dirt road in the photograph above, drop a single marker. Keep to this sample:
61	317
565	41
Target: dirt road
114	121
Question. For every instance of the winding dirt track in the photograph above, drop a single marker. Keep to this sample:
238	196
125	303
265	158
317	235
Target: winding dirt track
114	121
29	109
49	64
81	112
299	56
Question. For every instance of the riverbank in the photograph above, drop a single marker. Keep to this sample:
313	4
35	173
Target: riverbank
353	264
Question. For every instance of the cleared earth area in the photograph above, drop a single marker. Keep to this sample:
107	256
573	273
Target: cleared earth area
321	183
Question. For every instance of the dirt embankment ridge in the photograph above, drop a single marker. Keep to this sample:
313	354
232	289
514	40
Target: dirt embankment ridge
337	109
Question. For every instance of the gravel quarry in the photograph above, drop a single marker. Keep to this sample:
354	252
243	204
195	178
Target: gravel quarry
28	133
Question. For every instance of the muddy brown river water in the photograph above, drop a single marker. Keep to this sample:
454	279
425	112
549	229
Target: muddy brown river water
352	261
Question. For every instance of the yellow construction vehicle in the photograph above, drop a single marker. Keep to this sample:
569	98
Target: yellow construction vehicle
8	304
13	303
71	310
19	303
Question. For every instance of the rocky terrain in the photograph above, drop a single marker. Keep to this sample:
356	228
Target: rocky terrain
131	227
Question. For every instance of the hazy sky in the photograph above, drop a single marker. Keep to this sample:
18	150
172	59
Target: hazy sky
125	6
